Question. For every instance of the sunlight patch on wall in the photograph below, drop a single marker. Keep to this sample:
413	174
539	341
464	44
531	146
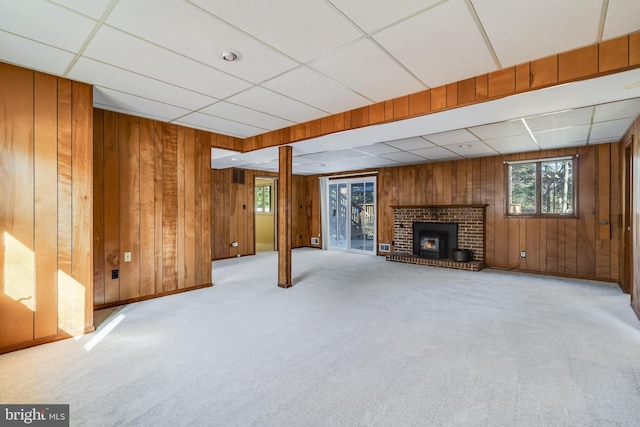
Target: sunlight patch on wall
19	268
70	304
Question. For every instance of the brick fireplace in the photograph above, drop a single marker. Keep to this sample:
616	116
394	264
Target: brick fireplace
470	222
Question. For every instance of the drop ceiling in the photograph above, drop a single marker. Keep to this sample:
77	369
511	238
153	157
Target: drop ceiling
307	59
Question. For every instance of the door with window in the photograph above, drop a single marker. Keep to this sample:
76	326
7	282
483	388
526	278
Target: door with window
352	215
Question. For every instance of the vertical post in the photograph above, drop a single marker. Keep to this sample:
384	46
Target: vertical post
284	217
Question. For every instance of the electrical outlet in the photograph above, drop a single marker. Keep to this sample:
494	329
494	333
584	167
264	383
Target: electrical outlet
523	254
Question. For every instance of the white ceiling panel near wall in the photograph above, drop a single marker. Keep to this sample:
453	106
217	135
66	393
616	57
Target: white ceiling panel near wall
379	148
219	125
500	130
441	45
436	153
372	15
237	113
612	130
93	8
565	137
312	88
409	144
131	53
623	17
561	119
471	149
512	144
100	74
615	110
126	102
302	29
458	136
200	36
368	70
45	22
557	25
267	101
34	55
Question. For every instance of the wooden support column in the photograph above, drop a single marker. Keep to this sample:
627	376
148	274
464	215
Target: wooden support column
284	217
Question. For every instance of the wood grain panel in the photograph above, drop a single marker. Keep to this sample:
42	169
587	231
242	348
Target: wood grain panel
82	205
495	193
205	182
45	214
180	243
129	196
502	82
65	227
190	209
544	72
613	54
578	63
482	87
158	208
634	49
467	91
111	206
531	243
147	207
17	262
616	207
523	77
420	103
439	98
586	224
169	207
98	207
452	95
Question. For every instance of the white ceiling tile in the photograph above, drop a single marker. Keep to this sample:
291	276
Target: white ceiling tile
500	130
113	46
410	143
436	153
198	35
365	68
314	89
264	100
218	153
90	71
459	136
241	114
37	56
562	137
614	130
617	110
371	15
380	148
512	144
623	16
558	26
472	148
441	45
45	22
303	29
218	125
337	154
143	107
560	119
402	157
92	8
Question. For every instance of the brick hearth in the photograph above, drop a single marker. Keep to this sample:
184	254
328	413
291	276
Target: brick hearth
470	220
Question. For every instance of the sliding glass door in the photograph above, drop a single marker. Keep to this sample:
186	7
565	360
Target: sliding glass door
352	214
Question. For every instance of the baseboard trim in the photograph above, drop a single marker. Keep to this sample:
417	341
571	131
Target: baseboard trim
148	297
45	340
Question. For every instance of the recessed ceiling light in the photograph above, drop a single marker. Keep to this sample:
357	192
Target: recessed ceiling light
464	146
233	159
324	165
230	55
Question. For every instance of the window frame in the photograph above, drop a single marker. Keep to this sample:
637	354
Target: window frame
538	177
255	200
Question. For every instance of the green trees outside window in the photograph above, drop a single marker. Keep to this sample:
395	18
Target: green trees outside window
263	198
543	187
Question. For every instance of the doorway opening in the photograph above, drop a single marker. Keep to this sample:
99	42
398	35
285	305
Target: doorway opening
265	205
352	214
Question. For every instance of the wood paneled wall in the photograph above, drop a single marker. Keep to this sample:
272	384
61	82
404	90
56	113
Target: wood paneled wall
233	212
45	208
632	135
569	246
595	60
151	198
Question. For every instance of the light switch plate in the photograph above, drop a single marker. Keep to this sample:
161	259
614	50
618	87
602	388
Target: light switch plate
127	257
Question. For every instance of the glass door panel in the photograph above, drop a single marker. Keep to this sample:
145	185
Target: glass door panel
352	215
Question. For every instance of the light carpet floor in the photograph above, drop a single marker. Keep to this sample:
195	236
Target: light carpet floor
357	341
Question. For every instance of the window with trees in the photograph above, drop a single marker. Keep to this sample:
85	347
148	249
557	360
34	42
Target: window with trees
263	198
543	187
